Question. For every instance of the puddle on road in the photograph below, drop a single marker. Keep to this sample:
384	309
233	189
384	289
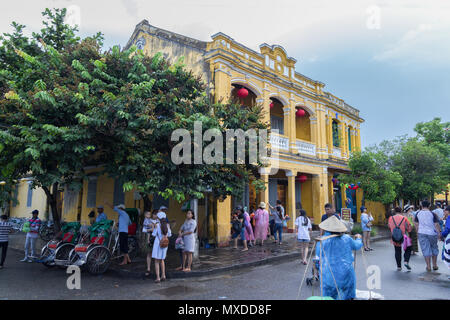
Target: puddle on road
173	291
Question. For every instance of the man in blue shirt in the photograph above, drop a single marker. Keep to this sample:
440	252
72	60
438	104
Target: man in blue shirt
124	222
101	214
329	212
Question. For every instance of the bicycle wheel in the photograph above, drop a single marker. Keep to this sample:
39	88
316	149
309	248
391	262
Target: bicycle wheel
133	247
98	260
62	255
46	252
73	258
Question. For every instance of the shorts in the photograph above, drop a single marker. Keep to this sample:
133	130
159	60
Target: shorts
428	245
237	234
303	240
123	242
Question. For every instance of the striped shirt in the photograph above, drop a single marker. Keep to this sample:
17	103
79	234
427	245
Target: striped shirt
35	225
5	227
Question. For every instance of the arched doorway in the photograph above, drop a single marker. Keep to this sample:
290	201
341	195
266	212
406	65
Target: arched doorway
303	125
276	115
248	101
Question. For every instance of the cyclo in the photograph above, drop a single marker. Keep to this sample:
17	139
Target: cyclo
93	251
56	252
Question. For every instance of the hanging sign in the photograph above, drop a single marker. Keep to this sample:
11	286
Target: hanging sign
346	214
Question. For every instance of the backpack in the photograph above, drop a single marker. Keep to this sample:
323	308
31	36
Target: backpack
237	226
397	235
164	243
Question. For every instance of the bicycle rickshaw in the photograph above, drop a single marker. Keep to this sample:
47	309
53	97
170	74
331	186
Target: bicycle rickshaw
95	252
56	252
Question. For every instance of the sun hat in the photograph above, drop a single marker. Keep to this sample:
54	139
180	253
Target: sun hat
362	208
262	205
121	206
161	215
333	224
407	207
163	208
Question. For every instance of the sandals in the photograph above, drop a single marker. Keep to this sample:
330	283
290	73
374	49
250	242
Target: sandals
435	268
147	274
179	269
157	281
187	270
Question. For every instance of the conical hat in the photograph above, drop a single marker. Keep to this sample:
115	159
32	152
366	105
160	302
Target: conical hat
333	224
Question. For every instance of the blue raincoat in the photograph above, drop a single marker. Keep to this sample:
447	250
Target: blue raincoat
339	257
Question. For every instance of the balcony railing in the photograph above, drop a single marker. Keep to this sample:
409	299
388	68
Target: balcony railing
305	147
337	152
279	142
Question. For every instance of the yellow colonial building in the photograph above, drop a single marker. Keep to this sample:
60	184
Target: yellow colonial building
312	146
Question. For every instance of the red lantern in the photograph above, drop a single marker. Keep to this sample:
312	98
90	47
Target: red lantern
300	113
272	105
242	93
302	178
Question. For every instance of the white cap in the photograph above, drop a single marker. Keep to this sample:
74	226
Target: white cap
163	208
161	215
121	206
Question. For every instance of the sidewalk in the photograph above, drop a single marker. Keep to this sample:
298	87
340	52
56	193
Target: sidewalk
214	261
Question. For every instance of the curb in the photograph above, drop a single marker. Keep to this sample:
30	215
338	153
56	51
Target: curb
194	274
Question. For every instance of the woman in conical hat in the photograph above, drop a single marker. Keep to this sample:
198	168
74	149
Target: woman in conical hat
336	259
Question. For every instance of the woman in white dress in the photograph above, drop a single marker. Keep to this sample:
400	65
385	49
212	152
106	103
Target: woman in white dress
187	231
159	254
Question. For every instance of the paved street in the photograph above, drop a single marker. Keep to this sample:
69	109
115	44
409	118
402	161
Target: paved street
20	280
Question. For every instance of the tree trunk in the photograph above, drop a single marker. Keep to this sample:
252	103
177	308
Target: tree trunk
52	200
147	202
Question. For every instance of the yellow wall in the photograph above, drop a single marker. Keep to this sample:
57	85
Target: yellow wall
39	202
306	195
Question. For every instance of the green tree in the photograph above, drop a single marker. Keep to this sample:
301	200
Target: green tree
422	167
66	105
369	170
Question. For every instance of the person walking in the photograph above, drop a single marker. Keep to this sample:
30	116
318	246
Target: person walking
303	228
149	224
162	233
366	226
5	229
440	214
187	231
428	231
399	222
261	223
445	236
408	211
278	228
124	222
336	259
249	236
32	235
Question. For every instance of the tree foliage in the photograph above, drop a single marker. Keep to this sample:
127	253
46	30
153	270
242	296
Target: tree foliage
66	105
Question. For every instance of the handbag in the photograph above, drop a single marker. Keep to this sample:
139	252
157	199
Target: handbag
179	244
406	242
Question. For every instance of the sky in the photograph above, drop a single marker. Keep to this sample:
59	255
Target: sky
388	58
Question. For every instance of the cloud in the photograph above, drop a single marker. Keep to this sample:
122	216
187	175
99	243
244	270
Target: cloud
425	44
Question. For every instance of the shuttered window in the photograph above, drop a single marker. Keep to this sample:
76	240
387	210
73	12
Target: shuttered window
29	196
277	123
298	195
91	201
16	195
119	195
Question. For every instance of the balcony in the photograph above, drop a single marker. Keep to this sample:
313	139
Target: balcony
305	147
279	142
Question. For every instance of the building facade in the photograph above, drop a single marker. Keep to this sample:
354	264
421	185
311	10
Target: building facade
311	149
